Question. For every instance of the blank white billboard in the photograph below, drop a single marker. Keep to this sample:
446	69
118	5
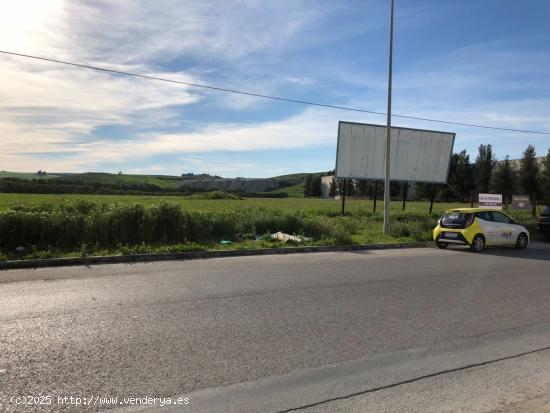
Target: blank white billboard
415	155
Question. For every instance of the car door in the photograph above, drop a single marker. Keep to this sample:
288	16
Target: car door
506	232
488	227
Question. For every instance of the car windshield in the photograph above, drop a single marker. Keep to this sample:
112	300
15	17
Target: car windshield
455	219
546	211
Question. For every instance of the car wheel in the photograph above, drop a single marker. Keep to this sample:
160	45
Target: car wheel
522	241
478	243
442	245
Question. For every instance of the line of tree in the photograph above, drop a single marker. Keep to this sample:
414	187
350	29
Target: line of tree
312	185
467	179
486	175
363	188
65	186
61	186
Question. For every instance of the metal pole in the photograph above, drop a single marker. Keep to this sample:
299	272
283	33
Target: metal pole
374	197
344	197
388	136
405	195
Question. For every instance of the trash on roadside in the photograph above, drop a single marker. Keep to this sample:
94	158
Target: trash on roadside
225	242
20	250
281	236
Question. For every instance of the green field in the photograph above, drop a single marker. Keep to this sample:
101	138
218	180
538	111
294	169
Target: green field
68	225
330	207
309	205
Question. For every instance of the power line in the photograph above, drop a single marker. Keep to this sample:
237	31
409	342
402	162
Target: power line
258	95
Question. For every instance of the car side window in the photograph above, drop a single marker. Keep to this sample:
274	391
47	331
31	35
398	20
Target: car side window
500	217
486	216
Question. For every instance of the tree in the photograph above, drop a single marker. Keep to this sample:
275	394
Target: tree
340	183
350	188
422	190
460	175
307	185
363	187
333	188
529	175
546	177
503	180
483	168
315	189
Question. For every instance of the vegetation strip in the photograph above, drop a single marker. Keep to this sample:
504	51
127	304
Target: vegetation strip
66	227
187	255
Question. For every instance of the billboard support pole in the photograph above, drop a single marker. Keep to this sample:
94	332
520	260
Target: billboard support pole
405	195
344	197
388	135
432	198
374	196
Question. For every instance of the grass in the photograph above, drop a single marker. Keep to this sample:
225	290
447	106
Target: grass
294	191
309	205
74	225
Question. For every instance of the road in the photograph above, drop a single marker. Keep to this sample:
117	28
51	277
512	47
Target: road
273	333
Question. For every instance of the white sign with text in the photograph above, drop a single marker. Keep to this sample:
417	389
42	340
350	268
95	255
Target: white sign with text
490	201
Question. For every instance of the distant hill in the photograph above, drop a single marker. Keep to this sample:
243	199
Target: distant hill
291	184
245	185
162	181
27	175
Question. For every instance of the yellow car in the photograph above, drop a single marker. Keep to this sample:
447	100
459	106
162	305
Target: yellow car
479	227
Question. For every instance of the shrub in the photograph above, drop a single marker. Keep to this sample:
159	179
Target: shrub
80	225
418	228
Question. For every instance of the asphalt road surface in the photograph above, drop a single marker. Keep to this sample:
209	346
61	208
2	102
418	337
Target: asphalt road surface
286	331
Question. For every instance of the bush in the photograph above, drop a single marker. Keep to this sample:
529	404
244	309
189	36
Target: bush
84	227
417	227
81	224
40	228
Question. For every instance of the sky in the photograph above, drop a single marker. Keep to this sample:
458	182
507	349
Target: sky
482	62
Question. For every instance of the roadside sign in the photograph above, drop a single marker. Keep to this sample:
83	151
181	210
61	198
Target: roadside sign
521	202
490	201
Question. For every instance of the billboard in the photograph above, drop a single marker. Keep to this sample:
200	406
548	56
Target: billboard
416	155
490	201
521	202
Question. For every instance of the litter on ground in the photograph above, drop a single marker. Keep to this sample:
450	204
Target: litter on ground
281	236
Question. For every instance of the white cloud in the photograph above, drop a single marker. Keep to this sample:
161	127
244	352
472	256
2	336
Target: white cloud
50	109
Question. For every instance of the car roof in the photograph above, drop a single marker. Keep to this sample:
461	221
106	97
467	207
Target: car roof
471	210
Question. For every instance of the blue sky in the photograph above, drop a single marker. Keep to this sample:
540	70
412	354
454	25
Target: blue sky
485	62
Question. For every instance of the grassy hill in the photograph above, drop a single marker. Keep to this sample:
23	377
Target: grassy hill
292	184
295	191
163	181
301	176
27	175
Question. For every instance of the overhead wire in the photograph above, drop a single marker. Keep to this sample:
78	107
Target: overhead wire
263	96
